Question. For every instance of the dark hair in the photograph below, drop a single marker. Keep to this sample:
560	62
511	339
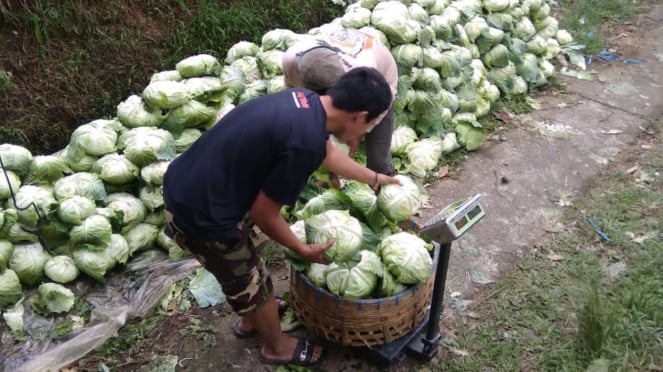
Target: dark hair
361	89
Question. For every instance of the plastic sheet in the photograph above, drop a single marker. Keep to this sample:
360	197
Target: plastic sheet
119	300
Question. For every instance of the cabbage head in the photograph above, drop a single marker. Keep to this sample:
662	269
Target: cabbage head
233	80
132	209
133	113
339	225
407	55
15	158
13	185
84	184
400	138
424	155
364	201
52	298
278	38
393	18
249	66
241	49
199	65
524	29
192	114
61	269
46	169
94	262
317	273
145	145
205	89
40	197
175	252
407	257
269	63
388	286
95	230
153	173
356	281
356	17
77	159
96	138
187	138
328	200
399	202
141	237
496	5
10	288
6	249
564	37
151	196
74	209
28	262
166	94
115	169
172	75
118	249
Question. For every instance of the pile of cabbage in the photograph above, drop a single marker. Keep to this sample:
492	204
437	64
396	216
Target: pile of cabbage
371	257
98	201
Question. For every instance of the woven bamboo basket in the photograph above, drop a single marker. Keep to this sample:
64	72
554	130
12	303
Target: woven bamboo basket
368	322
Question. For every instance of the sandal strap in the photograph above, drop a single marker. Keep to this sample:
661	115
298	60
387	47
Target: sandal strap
304	351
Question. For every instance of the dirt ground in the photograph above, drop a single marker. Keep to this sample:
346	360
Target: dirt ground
539	164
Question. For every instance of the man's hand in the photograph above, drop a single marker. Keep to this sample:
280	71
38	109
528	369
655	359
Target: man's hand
383	179
314	252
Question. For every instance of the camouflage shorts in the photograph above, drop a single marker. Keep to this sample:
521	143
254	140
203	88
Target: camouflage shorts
234	262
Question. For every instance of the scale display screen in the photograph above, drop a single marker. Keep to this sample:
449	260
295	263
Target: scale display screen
454	220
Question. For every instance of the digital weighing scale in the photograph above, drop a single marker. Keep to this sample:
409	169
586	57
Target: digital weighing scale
445	227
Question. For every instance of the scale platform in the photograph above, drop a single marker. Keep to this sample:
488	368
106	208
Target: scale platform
442	229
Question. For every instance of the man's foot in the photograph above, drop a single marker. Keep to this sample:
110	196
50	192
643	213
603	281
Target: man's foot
243	329
304	353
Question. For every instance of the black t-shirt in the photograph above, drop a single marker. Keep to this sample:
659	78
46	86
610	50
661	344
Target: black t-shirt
272	143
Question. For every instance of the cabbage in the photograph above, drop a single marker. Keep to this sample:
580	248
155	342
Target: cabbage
358	281
406	257
399	202
451	64
132	209
172	75
424	155
16	233
75	209
475	28
318	274
364	201
153	173
52	298
443	27
407	55
10	288
524	29
95	230
387	285
356	17
428	79
241	49
249	66
432	57
198	65
299	229
418	13
166	94
115	169
84	184
503	77
270	63
537	45
253	90
145	145
498	56
118	249
489	91
77	159
391	17
189	115
339	225
14	318
275	84
28	261
7	188
156	217
400	138
503	21
15	158
6	249
34	202
94	262
564	37
141	237
278	38
449	142
45	169
96	138
175	252
151	196
470	134
233	78
133	113
185	140
326	201
205	88
61	269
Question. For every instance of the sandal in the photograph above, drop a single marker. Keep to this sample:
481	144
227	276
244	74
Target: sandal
283	306
301	356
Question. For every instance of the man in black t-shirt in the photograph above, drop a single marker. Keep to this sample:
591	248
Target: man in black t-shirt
256	159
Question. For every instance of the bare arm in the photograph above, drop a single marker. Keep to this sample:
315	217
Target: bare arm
338	162
265	213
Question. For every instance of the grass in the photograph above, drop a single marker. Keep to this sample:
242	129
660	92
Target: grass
589	19
599	306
